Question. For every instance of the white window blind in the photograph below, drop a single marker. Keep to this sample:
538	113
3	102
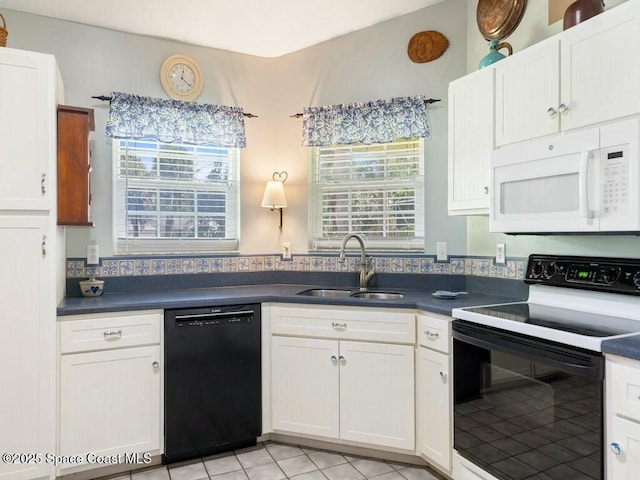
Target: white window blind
376	190
175	198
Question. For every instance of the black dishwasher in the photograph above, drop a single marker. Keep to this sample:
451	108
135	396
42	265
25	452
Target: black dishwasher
212	399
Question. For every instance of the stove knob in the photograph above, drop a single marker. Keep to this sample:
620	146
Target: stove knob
550	270
636	279
611	275
536	270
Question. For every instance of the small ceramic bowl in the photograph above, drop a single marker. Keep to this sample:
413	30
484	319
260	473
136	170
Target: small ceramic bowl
91	287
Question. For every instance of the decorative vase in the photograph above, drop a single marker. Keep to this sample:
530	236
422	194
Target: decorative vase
494	55
581	10
92	287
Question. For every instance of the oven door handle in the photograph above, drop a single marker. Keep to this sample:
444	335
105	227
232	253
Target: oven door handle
534	350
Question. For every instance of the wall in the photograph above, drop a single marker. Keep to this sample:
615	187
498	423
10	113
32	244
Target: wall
364	65
533	28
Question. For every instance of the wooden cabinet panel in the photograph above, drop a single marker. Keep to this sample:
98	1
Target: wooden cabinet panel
74	196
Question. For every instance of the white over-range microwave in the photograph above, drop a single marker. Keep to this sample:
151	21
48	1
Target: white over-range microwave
586	181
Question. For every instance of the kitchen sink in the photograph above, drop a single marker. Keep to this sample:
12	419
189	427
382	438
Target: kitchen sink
378	295
325	292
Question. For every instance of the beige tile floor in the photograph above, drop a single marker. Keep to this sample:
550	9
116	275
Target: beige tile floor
278	461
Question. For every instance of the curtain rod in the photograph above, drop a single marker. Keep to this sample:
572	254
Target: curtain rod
428	101
106	98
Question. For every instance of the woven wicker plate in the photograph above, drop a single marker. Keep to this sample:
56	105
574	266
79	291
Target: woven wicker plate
427	46
497	19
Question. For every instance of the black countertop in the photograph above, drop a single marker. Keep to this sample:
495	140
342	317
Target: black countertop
214	296
625	347
421	299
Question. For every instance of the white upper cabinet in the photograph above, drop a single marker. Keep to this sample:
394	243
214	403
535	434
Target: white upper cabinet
600	69
27	130
527	93
586	75
471	118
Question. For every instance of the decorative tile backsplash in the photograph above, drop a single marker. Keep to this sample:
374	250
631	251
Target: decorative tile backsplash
136	266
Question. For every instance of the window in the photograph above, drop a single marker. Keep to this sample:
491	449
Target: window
175	198
376	190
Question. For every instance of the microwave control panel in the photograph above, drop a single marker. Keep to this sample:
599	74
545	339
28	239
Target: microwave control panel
617	275
614	175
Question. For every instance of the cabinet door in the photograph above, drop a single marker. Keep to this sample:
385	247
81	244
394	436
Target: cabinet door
377	394
74	196
600	70
527	93
27	345
471	141
305	386
110	401
27	130
433	419
625	441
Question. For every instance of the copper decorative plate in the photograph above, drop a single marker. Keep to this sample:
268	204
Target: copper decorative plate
427	46
497	19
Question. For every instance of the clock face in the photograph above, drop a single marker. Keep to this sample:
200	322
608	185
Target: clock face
181	78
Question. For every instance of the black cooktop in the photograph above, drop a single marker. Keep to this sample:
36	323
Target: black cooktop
582	323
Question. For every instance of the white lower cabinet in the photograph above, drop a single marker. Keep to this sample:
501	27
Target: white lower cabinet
377	394
110	388
360	392
434	390
305	386
622	418
27	346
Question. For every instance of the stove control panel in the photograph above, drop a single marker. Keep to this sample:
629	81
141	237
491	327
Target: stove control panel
617	275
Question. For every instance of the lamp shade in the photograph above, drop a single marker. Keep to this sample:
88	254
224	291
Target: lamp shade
274	195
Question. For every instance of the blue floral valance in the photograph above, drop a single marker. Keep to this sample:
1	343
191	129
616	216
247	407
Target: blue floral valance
380	121
133	116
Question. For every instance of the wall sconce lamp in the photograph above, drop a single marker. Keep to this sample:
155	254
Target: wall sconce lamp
274	193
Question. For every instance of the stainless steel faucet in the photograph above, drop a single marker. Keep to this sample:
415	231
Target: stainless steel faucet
365	275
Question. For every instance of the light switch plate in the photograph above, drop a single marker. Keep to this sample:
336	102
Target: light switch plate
501	253
93	254
441	251
286	250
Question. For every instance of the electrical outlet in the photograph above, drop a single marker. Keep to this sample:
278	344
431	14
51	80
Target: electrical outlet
286	250
501	254
93	254
441	251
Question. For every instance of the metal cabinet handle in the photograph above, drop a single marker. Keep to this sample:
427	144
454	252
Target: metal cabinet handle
155	364
334	359
112	335
342	359
486	190
337	325
562	108
615	448
43	183
552	112
443	376
44	245
431	335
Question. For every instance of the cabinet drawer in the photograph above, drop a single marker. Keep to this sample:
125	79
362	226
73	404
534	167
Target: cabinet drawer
370	324
624	379
434	331
79	333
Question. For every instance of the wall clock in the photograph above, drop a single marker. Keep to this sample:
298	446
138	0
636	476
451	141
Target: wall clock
181	77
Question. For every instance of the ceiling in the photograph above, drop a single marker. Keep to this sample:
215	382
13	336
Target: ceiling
266	28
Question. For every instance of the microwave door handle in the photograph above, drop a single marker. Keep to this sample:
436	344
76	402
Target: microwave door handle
584	185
